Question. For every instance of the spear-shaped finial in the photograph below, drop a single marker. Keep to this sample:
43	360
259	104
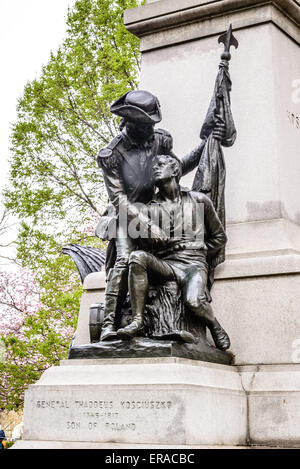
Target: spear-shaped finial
228	40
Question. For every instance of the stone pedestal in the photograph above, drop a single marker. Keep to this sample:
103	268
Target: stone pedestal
162	402
142	401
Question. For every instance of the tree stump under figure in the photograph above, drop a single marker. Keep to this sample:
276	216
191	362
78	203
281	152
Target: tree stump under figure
166	315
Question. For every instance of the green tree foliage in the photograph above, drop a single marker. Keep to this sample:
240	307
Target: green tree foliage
55	187
64	119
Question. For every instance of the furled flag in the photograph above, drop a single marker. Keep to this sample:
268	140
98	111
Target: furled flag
211	172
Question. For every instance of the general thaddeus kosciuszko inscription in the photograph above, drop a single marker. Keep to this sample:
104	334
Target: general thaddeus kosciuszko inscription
123	413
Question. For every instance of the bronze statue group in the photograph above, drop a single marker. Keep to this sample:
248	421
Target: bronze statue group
142	176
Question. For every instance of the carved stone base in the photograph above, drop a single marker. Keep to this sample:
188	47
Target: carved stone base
162	401
141	347
158	401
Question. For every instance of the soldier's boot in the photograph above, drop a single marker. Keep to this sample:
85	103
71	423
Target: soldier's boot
219	335
138	287
116	291
133	329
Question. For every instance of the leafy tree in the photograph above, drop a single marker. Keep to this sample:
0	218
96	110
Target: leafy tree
64	119
55	188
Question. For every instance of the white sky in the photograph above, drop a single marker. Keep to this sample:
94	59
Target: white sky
29	30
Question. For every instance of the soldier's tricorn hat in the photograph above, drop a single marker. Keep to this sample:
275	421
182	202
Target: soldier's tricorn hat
138	106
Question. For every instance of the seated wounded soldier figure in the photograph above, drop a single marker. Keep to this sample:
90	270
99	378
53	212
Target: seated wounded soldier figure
192	236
